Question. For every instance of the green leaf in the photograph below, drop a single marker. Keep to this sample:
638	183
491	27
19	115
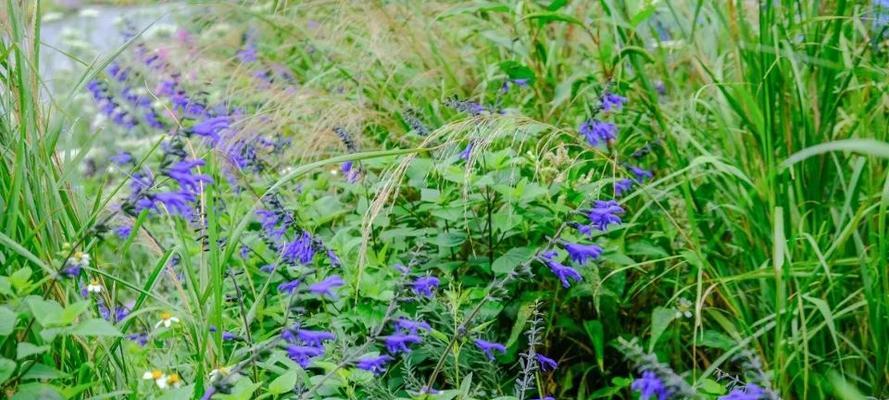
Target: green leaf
512	259
7	321
70	313
516	70
711	387
556	5
870	147
37	391
660	320
183	393
283	383
25	349
7	367
546	17
95	327
46	312
596	333
5	286
644	13
20	278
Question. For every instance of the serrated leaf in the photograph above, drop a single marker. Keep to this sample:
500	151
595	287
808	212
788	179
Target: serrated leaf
283	383
95	327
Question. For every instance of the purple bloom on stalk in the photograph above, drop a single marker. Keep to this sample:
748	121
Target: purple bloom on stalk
123	231
425	285
188	181
580	253
641	174
140	182
546	363
327	286
650	386
564	273
300	250
489	347
622	186
288	287
268	220
176	203
153	120
248	53
303	355
122	158
377	365
228	336
140	338
509	82
268	268
118	73
464	155
183	104
314	338
598	131
749	392
411	326
211	127
605	213
399	343
611	101
334	260
349	171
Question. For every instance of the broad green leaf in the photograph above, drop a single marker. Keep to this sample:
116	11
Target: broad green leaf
283	383
37	391
516	70
20	278
95	327
5	286
183	393
596	334
7	367
660	320
512	259
46	312
7	321
25	349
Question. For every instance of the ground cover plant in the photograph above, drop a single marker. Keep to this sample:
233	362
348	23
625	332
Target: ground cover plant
508	199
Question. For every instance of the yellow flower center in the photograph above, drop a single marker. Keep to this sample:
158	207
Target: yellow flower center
173	379
156	374
166	315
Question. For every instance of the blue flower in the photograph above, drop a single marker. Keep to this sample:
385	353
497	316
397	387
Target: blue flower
140	338
580	253
212	127
303	355
611	101
622	186
749	392
641	174
349	171
595	131
248	53
122	158
176	203
425	285
467	151
377	365
301	250
650	386
411	326
288	287
604	214
268	220
399	343
327	286
564	273
489	347
468	107
546	363
334	260
314	338
188	181
183	104
123	231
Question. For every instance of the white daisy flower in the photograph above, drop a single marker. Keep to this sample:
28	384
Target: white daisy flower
158	376
167	320
94	287
171	380
79	258
683	308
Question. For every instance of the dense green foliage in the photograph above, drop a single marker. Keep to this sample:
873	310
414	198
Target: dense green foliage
412	140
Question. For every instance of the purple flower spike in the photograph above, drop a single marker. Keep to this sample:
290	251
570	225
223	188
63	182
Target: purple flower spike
425	285
181	173
123	231
328	286
211	127
288	287
489	347
140	338
411	326
581	253
597	131
622	186
749	392
564	273
611	101
399	343
377	365
604	214
650	386
122	158
303	355
546	363
176	203
314	338
641	174
229	336
301	250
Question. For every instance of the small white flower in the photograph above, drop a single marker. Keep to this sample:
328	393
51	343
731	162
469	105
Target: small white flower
167	320
79	258
94	287
334	172
162	380
683	308
219	373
